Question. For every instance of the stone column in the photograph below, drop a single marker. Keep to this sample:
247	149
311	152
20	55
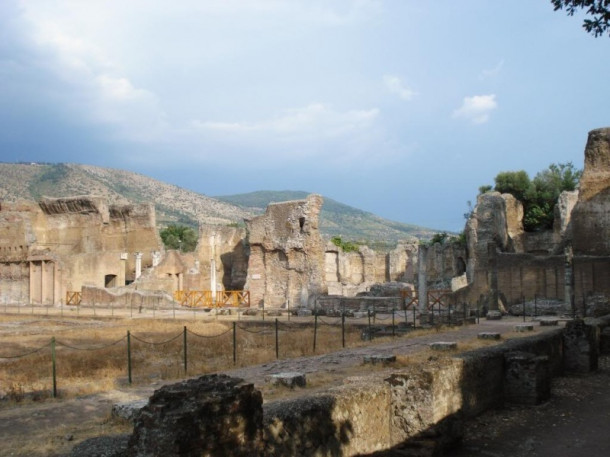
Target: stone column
213	267
138	256
56	284
31	300
156	258
569	277
422	278
493	276
580	346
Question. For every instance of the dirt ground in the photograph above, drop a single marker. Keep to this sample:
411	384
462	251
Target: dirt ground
572	423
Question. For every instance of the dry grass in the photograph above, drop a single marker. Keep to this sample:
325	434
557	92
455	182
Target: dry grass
91	354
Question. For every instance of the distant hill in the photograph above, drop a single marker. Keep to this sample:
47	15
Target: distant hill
335	218
177	205
172	203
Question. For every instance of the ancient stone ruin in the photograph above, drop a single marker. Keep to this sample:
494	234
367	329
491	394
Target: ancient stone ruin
569	264
113	254
286	263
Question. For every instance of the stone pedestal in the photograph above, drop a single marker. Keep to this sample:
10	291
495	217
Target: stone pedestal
379	359
527	378
288	379
580	347
180	419
520	328
443	346
493	315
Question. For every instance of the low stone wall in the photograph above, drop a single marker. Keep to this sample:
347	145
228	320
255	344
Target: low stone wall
125	298
422	403
338	303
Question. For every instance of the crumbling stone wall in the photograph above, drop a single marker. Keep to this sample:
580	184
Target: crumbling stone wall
66	243
570	263
226	245
352	273
286	259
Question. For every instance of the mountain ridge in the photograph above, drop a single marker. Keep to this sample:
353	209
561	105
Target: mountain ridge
32	181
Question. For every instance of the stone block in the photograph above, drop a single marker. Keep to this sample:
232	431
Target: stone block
580	346
102	446
546	322
127	410
288	379
304	312
379	358
488	336
180	419
520	328
527	378
360	314
443	346
493	315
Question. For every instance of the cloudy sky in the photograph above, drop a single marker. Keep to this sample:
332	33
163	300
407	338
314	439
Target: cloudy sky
398	107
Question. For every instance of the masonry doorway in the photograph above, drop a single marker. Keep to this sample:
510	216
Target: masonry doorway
110	281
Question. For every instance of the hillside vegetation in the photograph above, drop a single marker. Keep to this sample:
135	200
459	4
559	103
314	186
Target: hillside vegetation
175	205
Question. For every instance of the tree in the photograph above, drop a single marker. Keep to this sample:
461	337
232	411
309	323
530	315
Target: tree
540	194
513	182
179	237
485	188
598	9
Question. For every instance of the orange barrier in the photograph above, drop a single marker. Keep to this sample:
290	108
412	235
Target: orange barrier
73	298
204	298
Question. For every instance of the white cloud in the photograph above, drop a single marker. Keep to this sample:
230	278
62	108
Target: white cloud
314	121
492	72
396	86
477	108
98	89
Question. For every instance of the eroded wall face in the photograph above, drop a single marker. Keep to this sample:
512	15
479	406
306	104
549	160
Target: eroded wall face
523	275
62	245
286	262
14	282
224	244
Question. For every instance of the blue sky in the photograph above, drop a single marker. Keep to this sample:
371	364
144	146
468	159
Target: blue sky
398	107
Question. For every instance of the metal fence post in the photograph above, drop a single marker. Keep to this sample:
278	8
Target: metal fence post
315	331
277	342
234	343
185	350
129	357
343	328
393	326
54	367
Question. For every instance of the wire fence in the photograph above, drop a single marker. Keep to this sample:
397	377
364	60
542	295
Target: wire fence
188	351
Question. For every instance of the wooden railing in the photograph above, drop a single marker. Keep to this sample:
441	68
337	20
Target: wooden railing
73	298
435	297
204	298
